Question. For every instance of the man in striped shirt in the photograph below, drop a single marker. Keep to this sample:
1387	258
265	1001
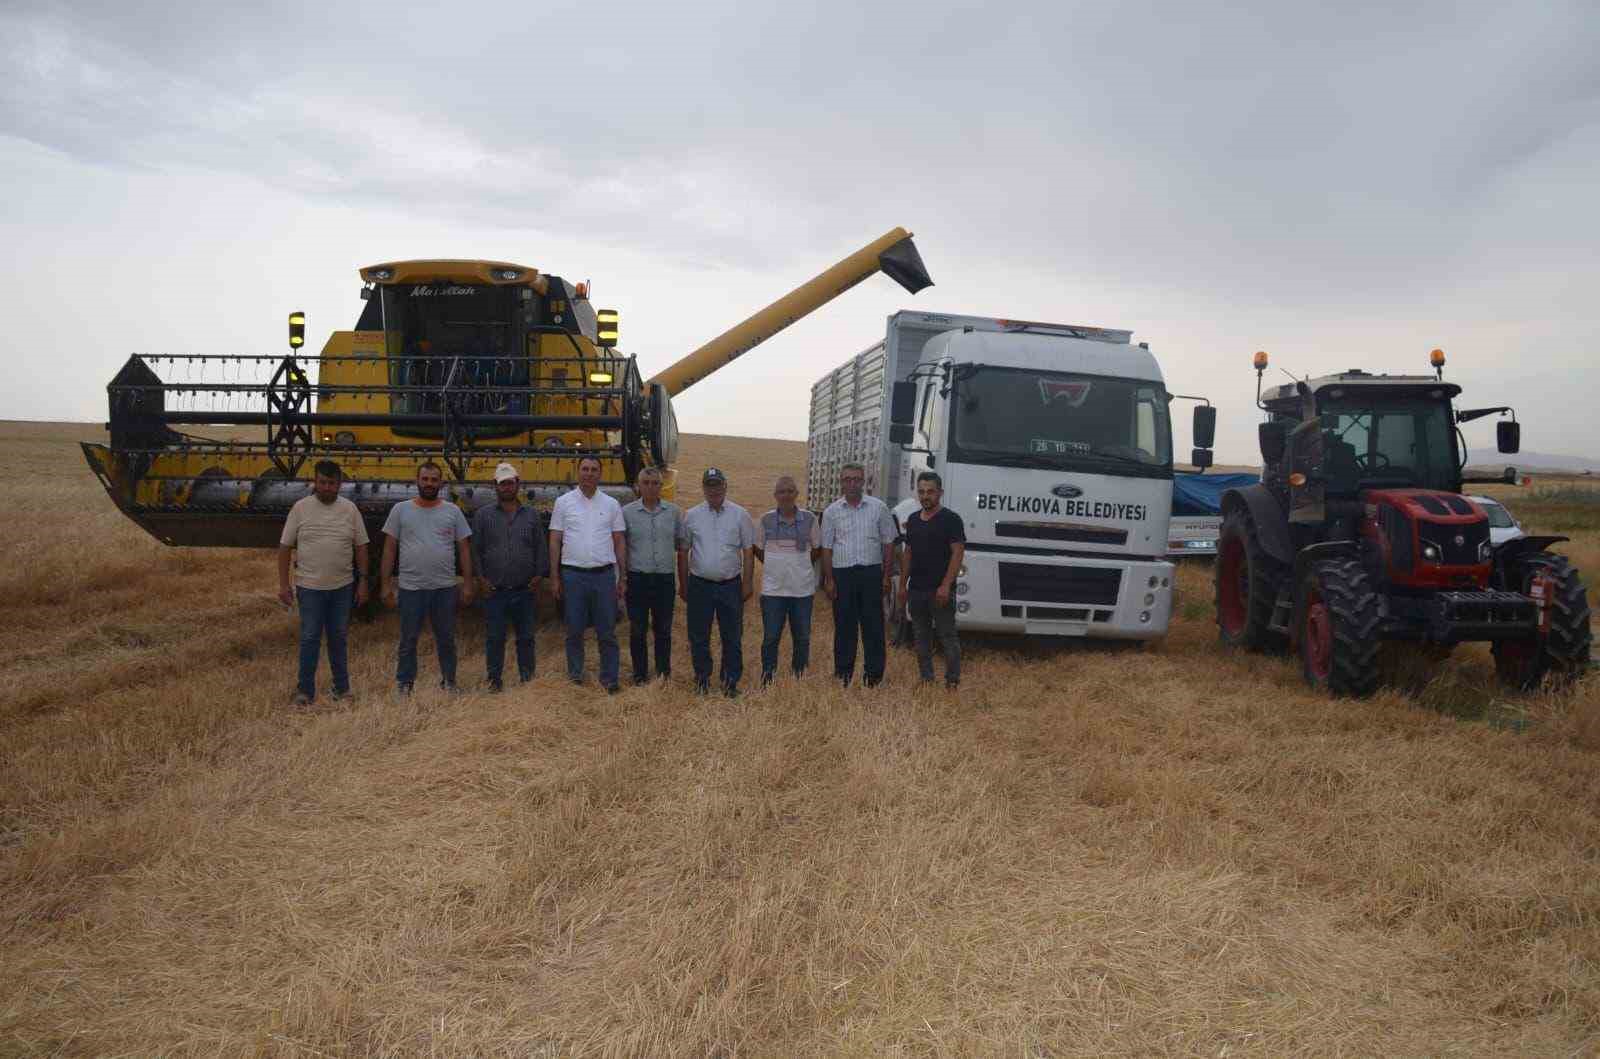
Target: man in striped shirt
858	535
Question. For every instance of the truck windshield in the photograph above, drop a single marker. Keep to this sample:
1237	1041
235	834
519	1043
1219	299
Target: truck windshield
1370	438
1013	416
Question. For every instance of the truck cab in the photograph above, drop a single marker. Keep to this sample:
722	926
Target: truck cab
1055	446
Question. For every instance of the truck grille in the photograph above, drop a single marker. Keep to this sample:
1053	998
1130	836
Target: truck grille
1036	583
1077	534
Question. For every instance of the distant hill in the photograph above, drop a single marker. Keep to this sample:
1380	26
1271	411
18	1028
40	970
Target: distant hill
1539	461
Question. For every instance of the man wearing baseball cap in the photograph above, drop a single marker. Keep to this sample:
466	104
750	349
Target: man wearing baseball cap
508	554
716	568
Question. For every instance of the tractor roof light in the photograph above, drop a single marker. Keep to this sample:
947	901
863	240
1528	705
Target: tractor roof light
1436	358
1260	360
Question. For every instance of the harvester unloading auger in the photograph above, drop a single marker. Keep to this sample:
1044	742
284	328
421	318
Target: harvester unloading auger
465	363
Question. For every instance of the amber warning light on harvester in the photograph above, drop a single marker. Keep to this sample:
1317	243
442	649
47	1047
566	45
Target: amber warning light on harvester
297	330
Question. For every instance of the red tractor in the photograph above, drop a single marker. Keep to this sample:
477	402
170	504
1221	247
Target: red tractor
1358	534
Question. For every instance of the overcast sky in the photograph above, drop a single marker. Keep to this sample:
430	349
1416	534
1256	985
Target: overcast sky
1338	184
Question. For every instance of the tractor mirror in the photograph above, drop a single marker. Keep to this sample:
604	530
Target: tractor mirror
1508	436
1274	438
1200	458
900	433
1205	426
903	403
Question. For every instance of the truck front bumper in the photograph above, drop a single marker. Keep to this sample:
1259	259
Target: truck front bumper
1046	595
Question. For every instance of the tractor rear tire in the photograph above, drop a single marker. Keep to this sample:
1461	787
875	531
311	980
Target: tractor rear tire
1246	586
1561	655
1338	616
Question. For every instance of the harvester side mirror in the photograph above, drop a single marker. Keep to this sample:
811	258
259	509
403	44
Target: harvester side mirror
606	321
1200	458
900	433
297	330
1508	436
1205	426
1274	439
902	404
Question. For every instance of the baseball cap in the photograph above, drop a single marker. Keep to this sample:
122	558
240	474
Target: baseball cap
505	471
712	474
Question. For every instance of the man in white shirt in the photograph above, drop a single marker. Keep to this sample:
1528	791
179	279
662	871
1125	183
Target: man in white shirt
588	546
858	535
788	542
716	567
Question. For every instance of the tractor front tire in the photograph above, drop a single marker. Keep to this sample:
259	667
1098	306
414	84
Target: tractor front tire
1561	652
1246	586
1338	633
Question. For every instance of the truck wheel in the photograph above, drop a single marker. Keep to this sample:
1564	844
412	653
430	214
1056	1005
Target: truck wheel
1561	652
1339	628
1246	586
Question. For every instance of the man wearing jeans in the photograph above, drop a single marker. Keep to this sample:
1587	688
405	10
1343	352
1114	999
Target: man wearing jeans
588	549
508	553
936	542
325	532
858	535
787	543
715	568
654	533
428	536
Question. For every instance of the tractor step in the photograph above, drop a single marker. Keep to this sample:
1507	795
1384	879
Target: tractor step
1282	612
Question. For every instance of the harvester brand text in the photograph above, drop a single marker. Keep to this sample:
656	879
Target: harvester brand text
1051	505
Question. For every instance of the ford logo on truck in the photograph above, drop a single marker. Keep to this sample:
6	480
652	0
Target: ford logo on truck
1067	491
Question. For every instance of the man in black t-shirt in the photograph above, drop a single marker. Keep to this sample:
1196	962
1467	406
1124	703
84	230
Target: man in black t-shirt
935	542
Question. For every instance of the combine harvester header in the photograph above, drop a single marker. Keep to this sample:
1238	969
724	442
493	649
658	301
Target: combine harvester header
463	363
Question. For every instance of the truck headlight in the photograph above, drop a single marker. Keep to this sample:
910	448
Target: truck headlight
962	588
1154	580
963	606
1144	617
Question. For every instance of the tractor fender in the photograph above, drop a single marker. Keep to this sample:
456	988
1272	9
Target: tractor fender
1271	522
1514	549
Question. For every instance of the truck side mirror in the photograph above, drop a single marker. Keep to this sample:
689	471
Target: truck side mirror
1200	458
902	404
1274	439
1205	426
1508	436
900	433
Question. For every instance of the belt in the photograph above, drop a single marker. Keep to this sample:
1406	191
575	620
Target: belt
714	581
588	569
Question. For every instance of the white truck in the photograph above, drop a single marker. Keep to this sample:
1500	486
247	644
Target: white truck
1055	446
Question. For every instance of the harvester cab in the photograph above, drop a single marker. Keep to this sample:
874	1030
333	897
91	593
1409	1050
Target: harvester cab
462	363
1358	534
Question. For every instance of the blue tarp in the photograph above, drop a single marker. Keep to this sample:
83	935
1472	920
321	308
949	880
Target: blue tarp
1201	494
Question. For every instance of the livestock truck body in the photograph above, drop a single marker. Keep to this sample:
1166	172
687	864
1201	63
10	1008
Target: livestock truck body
1054	444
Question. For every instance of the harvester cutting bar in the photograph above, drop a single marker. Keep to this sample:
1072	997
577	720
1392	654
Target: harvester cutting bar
387	419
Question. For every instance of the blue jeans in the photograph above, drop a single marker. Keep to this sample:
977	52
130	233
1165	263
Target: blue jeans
774	611
723	600
589	597
514	606
436	606
325	612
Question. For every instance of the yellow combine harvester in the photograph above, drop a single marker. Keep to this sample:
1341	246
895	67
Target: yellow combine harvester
465	363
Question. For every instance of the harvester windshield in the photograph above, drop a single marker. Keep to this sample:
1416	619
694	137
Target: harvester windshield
1372	439
428	326
1059	420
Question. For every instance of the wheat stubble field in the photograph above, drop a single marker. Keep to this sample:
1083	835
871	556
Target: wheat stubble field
1167	851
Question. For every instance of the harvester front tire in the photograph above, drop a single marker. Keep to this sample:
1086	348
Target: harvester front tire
1562	654
1338	617
1246	586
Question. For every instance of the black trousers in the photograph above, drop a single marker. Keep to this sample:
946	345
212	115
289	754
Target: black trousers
932	620
650	602
724	601
858	611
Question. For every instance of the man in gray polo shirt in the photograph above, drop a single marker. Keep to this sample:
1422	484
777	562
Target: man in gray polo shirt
716	568
654	533
508	554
